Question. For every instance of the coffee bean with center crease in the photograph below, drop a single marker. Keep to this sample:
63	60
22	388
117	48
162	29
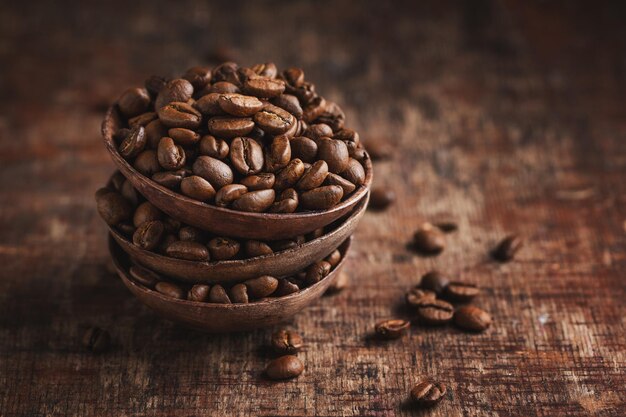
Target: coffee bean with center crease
267	69
318	131
428	393
146	212
293	76
184	137
154	84
198	293
198	76
218	295
273	119
287	202
239	294
472	318
429	239
317	271
290	103
170	290
286	342
188	250
170	155
507	248
148	235
381	198
392	329
96	340
246	156
285	367
264	87
278	154
134	143
169	179
229	193
197	188
461	291
178	114
434	281
418	296
147	162
113	208
255	201
255	248
144	276
239	105
304	148
321	198
177	90
262	181
134	101
355	173
223	248
435	312
289	175
334	179
213	147
214	171
262	286
230	127
224	87
313	177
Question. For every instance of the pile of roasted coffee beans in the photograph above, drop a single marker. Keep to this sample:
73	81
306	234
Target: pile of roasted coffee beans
251	139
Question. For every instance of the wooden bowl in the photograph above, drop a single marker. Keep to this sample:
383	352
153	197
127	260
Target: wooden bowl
279	264
223	221
224	317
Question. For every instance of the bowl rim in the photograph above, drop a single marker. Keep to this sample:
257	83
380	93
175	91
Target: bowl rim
107	135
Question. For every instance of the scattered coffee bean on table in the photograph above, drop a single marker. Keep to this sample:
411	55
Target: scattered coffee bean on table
96	339
286	342
418	296
429	240
392	329
428	393
435	312
434	281
472	318
507	248
285	367
381	198
461	291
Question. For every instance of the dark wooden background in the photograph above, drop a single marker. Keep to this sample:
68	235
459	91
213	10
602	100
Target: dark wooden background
506	117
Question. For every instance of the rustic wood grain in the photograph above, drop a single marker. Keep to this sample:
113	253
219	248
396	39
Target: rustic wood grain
507	117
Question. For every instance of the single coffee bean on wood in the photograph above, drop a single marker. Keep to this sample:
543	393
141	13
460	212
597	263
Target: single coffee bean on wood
381	198
170	290
392	329
418	296
286	342
429	240
461	291
434	281
447	226
472	318
285	367
428	393
435	312
96	340
507	248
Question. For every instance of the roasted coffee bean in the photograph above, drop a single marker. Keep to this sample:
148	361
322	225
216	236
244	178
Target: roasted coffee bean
294	76
348	135
223	248
199	293
191	234
96	340
278	154
154	84
507	248
313	177
264	87
213	147
177	90
289	175
230	127
246	156
447	226
146	212
142	120
262	286
305	92
209	104
357	152
286	287
435	312
224	87
472	318
125	228
417	296
287	202
239	294
378	149
134	101
226	71
314	109
304	148
197	188
334	179
229	193
255	201
148	234
214	171
461	291
318	131
284	244
286	342
183	137
381	198
165	243
199	77
290	103
429	239
339	284
355	173
147	163
333	116
134	143
171	290
239	105
317	233
274	120
155	130
321	198
188	250
317	271
178	114
254	248
434	281
170	155
262	181
120	134
334	258
267	70
113	208
428	393
392	329
169	179
218	295
285	367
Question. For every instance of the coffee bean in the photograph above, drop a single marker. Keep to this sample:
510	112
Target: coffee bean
461	291
334	179
254	248
429	239
507	248
170	155
335	153
348	135
357	152
434	281
169	179
178	90
230	127
96	340
209	104
229	193
144	276
286	287
262	181
148	234
171	225
246	156
321	198
273	119
318	131
285	367
215	148
264	87
113	208
191	234
171	290
262	286
279	154
317	271
340	283
435	312
199	293
333	116
147	163
154	84
199	77
392	329
290	103
447	226
218	295
304	148
285	244
188	250
197	188
213	170
428	393
134	101
267	69
472	318
184	137
294	76
239	294
178	114
155	130
355	173
224	87
134	143
226	71
314	109
255	201
334	258
287	202
223	248
289	175
146	212
239	105
142	120
313	177
381	198
286	342
415	297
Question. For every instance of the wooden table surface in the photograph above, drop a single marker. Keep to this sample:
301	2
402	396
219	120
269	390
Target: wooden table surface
505	116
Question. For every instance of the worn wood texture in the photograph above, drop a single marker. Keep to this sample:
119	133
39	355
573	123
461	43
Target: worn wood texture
506	117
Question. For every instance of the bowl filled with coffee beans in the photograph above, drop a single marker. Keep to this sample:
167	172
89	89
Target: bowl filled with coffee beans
252	153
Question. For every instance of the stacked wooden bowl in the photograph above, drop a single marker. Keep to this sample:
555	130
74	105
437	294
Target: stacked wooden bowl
302	242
